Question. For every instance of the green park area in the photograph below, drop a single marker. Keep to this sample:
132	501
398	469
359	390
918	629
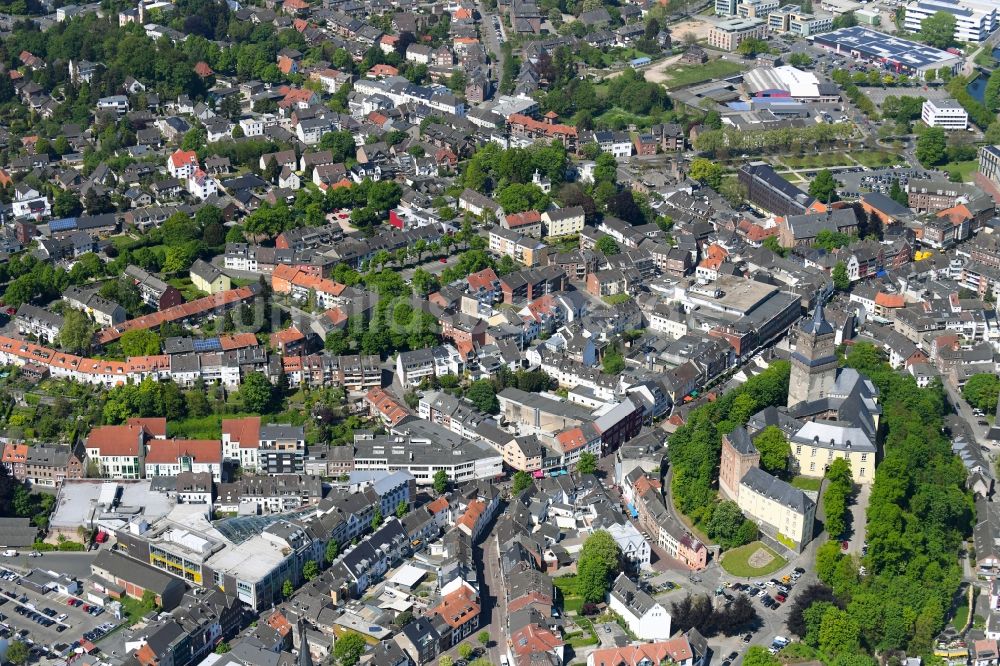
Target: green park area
752	560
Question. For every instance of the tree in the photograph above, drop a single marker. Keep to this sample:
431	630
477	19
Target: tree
484	396
287	589
66	204
587	464
140	342
613	363
77	332
839	632
347	649
465	651
599	561
377	518
898	194
981	391
521	481
222	648
402	509
445	660
841	280
774	449
607	246
440	481
256	393
519	197
706	171
938	30
18	653
332	550
759	656
932	145
725	523
824	187
484	638
310	570
751	47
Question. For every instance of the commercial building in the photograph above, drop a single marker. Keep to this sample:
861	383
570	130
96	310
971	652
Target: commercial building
946	114
424	449
899	56
989	163
770	192
791	19
728	34
974	19
249	556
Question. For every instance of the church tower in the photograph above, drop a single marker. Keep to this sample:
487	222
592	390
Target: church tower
814	361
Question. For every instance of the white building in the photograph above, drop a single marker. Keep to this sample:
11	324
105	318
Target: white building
645	617
946	114
974	19
201	185
413	367
635	549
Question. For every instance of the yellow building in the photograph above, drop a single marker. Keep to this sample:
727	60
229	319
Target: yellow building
817	444
209	279
784	512
564	221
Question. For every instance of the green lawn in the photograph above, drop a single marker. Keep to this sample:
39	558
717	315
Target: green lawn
572	599
617	118
736	561
966	169
807	483
876	158
584	638
691	74
817	160
961	614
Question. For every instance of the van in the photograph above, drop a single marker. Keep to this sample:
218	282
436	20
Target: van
781	640
503	660
10	553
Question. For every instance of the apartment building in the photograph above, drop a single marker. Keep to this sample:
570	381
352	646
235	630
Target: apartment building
563	221
413	367
728	34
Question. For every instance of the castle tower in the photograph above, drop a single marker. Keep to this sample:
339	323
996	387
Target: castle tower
738	455
814	361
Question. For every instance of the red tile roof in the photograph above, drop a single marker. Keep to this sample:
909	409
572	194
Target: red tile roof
14	453
120	440
182	311
167	451
458	607
155	426
180	158
246	431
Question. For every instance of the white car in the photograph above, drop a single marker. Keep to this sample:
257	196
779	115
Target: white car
10	553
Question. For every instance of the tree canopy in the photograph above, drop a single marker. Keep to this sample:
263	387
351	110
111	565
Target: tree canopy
598	563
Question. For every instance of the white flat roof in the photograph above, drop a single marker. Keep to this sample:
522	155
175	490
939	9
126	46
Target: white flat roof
407	575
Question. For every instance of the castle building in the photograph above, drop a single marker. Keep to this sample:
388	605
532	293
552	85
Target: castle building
738	456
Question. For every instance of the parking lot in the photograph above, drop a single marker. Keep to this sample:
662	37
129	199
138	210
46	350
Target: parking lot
51	623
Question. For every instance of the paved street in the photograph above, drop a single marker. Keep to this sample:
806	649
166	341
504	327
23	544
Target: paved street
490	41
72	564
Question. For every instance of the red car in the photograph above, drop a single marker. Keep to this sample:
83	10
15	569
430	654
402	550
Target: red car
780	597
443	260
844	545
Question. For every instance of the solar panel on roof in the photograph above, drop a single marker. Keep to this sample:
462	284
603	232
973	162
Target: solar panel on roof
207	344
65	224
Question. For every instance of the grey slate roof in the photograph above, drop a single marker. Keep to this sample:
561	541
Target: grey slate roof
775	489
